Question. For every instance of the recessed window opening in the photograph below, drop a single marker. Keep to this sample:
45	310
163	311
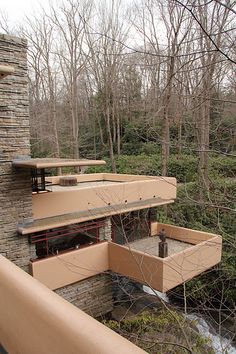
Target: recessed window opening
55	241
131	226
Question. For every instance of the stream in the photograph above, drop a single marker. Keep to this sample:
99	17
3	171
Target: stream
220	344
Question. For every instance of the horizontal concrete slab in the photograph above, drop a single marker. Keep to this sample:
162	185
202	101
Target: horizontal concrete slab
54	162
6	70
68	268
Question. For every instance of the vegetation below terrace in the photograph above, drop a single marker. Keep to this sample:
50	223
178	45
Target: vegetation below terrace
161	331
151	324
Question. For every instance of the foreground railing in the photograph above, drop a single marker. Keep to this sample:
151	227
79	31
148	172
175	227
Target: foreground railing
35	320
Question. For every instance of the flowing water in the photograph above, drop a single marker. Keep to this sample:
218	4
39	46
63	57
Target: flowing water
220	344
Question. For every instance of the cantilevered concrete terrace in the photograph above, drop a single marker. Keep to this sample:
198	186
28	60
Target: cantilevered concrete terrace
95	196
196	252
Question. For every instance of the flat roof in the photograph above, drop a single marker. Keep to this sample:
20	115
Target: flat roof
54	162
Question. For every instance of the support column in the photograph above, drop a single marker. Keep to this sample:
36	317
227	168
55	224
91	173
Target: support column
105	232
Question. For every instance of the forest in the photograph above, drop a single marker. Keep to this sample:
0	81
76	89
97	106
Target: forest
149	86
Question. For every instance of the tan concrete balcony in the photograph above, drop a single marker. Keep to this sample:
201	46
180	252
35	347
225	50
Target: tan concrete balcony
95	196
191	252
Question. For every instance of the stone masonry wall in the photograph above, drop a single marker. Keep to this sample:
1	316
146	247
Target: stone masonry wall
105	232
93	295
15	185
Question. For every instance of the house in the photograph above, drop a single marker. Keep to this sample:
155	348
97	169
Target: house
71	232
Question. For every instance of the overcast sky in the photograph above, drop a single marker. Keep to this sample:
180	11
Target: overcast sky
16	9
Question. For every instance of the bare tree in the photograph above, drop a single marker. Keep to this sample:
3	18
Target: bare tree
72	53
106	47
44	73
206	81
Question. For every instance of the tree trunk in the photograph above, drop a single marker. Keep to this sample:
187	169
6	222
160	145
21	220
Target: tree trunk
111	149
166	123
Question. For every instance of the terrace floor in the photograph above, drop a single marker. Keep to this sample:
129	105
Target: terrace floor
149	245
81	185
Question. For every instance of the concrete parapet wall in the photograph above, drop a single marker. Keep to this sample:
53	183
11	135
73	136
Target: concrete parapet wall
161	274
35	320
71	267
46	205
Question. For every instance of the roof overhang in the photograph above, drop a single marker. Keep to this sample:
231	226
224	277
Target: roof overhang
6	70
54	163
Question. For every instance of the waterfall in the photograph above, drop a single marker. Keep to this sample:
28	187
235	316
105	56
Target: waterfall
150	291
220	344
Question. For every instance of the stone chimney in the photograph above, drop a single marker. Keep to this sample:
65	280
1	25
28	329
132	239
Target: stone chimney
15	185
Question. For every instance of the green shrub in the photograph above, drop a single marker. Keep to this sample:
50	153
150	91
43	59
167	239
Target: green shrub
159	329
223	165
150	148
184	168
139	165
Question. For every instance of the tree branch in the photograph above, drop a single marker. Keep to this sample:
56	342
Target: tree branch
205	31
